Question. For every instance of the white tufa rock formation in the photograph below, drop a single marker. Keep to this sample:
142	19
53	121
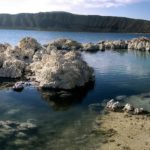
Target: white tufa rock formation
90	47
142	43
138	111
13	60
64	44
128	108
10	67
63	70
29	43
112	105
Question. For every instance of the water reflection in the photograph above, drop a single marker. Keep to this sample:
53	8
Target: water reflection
61	100
141	54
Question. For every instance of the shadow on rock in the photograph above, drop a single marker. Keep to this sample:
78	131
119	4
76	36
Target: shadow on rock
61	100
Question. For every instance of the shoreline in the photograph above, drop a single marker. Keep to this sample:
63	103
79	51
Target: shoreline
44	30
123	131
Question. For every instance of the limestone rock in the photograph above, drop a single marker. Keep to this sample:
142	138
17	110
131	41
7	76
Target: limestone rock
63	70
18	86
11	68
113	45
112	105
25	55
64	44
29	43
90	47
120	44
138	111
3	47
142	44
128	108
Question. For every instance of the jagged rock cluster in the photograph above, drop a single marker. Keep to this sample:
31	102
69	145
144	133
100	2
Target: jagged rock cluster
128	108
141	43
57	64
61	70
49	67
13	60
64	44
67	44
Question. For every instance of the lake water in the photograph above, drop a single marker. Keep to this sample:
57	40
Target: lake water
14	36
67	124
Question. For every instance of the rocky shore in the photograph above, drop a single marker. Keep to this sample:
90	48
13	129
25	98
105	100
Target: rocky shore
124	132
123	127
58	64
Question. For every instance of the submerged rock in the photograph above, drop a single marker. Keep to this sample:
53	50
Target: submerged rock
15	129
14	134
62	70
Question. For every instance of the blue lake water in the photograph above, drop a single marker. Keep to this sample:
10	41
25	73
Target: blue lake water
65	124
14	36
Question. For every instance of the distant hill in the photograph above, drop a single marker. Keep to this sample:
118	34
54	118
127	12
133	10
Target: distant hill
63	21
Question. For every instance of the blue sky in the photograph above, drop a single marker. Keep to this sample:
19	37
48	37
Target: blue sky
127	8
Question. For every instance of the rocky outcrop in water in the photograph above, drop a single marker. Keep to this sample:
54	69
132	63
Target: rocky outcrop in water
57	64
113	105
51	69
90	47
118	44
62	70
64	44
142	44
68	44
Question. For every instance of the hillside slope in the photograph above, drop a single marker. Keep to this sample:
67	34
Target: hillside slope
63	21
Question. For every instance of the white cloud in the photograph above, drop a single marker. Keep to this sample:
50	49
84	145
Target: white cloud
16	6
92	3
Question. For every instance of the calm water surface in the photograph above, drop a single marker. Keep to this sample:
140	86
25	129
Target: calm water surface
14	36
66	124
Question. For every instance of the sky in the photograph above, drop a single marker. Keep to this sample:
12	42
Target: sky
128	8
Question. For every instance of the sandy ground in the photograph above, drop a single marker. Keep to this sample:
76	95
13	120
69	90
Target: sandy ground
125	132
